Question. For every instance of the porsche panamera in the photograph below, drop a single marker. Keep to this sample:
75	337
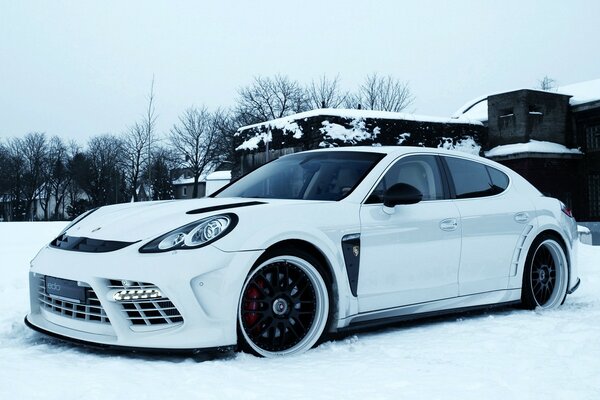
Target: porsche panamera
304	246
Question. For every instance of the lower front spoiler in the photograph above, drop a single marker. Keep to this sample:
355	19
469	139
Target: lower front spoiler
128	349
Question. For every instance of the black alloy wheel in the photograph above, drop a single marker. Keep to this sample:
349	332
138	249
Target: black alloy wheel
546	274
284	306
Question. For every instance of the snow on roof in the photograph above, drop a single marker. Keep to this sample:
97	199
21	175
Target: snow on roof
289	122
475	109
582	92
534	146
182	180
214	176
219	175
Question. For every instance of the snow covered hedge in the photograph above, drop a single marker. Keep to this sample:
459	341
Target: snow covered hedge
335	128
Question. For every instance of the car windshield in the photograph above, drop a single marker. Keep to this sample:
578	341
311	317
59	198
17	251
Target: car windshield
327	175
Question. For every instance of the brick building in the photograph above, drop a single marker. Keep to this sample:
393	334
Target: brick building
551	138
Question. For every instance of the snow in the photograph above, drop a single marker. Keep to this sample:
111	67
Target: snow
288	121
533	146
182	180
503	354
403	137
476	109
253	142
583	230
466	145
353	135
582	92
219	175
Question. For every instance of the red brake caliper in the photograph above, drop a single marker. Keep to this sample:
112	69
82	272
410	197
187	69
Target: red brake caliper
252	294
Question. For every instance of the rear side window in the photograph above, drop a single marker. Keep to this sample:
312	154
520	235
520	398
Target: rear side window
499	179
472	179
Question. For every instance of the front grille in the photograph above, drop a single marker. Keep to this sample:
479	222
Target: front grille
158	311
87	245
90	311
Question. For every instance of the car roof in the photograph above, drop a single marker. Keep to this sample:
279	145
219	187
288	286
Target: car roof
400	150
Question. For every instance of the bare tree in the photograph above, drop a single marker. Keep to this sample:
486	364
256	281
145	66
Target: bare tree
33	153
15	171
325	93
7	183
226	123
383	93
195	140
163	162
137	147
270	98
135	153
56	178
149	124
96	171
546	83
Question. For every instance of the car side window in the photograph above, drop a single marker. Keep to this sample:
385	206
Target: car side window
472	179
421	172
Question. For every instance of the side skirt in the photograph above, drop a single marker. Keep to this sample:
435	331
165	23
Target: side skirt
480	301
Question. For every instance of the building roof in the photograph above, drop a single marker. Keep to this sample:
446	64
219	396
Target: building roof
533	146
219	176
214	176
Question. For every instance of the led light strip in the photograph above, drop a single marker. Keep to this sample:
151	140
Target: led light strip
137	294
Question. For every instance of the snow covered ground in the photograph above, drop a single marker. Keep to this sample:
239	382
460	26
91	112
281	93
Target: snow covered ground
507	354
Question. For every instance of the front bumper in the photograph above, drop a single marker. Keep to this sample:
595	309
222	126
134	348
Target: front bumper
203	286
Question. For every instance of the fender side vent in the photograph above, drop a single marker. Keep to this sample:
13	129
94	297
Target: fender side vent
519	250
351	251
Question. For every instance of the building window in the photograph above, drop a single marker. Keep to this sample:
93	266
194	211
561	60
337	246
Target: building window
184	191
535	115
592	135
506	118
594	194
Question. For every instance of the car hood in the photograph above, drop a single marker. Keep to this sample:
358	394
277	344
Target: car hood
133	222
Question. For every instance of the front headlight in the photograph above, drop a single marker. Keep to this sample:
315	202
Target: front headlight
194	235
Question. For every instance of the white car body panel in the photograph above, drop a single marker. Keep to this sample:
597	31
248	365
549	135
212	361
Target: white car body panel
406	257
408	264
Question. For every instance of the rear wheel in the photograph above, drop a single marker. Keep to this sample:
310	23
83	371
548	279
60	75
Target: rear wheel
284	305
546	274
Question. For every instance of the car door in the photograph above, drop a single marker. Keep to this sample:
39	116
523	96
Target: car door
492	222
412	255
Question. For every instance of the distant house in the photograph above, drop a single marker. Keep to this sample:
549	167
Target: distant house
207	184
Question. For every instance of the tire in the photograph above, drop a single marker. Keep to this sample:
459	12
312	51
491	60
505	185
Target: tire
546	274
284	305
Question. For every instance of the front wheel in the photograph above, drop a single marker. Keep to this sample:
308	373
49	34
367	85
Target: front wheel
546	274
284	306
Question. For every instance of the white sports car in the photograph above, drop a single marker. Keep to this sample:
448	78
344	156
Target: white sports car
309	244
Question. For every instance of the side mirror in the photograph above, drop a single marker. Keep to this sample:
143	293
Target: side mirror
400	194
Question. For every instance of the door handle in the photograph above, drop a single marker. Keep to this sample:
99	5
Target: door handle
522	217
449	224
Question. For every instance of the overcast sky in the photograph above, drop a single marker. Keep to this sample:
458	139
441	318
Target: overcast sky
81	68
